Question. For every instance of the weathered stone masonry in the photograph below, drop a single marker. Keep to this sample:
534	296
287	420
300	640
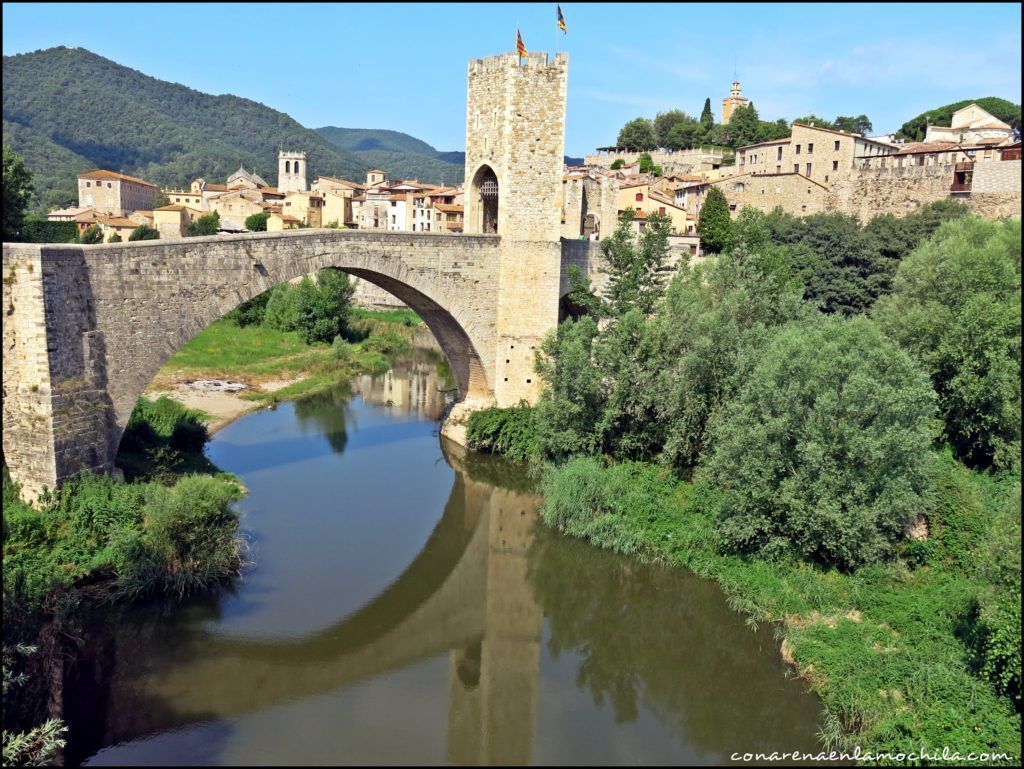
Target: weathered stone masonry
86	328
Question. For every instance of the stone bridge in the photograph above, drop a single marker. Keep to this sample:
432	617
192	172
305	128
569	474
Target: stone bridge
86	328
466	596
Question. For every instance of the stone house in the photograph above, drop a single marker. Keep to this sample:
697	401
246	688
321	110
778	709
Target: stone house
114	194
172	221
971	125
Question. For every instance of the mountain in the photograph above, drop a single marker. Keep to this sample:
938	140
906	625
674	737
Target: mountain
402	155
68	110
915	128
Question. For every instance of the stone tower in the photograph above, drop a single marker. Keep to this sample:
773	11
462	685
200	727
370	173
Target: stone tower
515	145
733	101
291	171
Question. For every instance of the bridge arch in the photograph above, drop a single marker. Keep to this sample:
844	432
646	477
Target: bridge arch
115	314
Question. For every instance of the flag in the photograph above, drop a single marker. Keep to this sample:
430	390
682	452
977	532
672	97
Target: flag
561	19
520	46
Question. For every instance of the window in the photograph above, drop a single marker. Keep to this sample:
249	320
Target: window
639	196
810	148
109	185
836	148
808	169
798	149
88	184
779	156
835	165
732	206
796	168
662	210
826	178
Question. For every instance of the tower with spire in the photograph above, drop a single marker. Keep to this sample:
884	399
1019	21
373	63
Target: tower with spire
731	102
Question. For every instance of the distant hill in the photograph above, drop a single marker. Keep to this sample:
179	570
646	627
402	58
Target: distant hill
916	128
67	110
402	155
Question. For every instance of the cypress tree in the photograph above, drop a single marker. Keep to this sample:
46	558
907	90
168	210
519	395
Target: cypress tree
714	224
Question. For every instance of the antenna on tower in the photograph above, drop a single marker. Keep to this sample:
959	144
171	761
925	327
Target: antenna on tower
734	68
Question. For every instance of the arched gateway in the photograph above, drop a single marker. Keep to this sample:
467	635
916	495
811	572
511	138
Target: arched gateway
87	327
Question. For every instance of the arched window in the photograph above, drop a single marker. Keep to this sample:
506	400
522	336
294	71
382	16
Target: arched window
287	167
485	191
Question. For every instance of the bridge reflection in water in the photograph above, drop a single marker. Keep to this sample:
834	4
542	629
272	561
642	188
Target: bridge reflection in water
500	641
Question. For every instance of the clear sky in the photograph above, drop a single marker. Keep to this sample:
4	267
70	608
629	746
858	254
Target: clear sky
403	66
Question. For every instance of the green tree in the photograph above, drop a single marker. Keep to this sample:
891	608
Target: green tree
685	135
707	117
92	235
916	128
853	125
814	120
638	134
617	164
161	200
144	232
956	309
17	191
714	225
825	452
114	238
715	319
258	222
664	122
636	265
204	225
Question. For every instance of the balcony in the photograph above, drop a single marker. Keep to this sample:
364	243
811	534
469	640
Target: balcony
960	187
966	166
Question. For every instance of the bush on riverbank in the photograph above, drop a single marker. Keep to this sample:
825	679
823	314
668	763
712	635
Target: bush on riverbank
510	432
163	440
825	450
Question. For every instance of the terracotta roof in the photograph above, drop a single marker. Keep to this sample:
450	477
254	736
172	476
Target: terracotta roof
269	191
117	221
628	185
99	173
764	144
176	207
919	147
448	208
70	211
397	197
376	171
215	187
355	185
145	214
287	218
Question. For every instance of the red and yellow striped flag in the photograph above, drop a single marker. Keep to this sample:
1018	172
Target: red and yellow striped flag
520	45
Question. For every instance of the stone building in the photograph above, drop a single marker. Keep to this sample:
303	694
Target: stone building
732	101
794	193
971	125
114	194
291	171
172	221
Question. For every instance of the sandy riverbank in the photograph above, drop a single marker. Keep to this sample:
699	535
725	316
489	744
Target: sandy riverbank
223	407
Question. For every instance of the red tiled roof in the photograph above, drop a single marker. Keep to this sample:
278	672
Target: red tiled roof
99	173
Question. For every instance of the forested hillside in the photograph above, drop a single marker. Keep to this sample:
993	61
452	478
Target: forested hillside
67	110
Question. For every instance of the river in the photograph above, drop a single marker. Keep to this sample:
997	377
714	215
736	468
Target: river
405	605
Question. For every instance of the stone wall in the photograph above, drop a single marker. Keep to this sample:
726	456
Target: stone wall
794	193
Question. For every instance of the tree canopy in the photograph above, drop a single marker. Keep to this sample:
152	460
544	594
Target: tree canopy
638	134
915	128
17	192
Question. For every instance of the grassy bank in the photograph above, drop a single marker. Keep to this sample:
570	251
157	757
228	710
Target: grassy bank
257	355
899	653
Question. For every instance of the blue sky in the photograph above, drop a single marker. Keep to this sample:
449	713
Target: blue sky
403	67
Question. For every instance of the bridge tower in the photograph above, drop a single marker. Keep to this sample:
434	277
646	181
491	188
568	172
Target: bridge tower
515	146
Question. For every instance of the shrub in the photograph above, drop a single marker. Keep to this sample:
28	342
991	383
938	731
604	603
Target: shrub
165	421
508	431
36	229
825	452
956	309
144	232
188	539
92	235
204	225
252	312
586	499
257	222
114	238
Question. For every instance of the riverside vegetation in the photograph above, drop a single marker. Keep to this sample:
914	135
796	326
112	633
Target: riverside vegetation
169	527
824	418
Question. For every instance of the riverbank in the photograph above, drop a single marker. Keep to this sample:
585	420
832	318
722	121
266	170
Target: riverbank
271	366
891	649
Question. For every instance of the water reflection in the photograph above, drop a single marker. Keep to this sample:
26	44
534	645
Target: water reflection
409	630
